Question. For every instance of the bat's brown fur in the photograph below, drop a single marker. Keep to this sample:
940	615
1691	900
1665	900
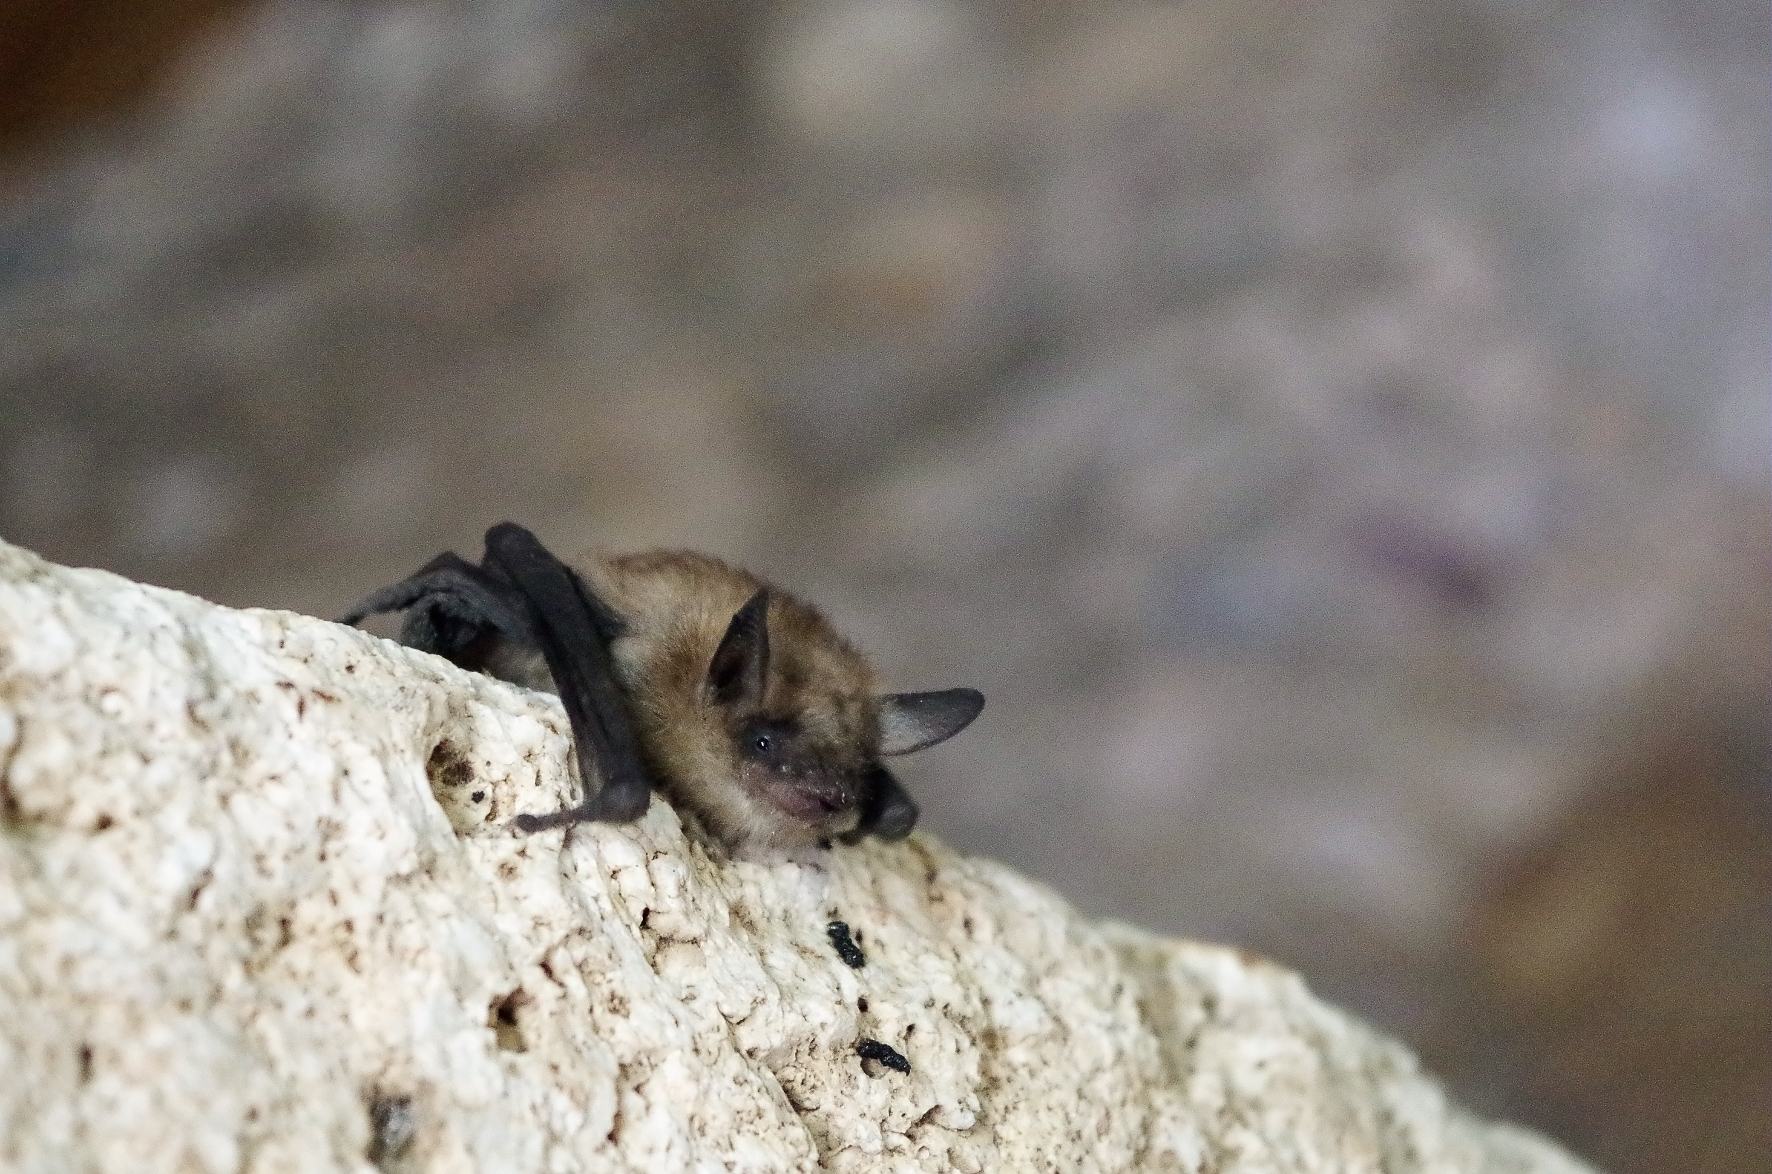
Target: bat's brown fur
677	606
685	672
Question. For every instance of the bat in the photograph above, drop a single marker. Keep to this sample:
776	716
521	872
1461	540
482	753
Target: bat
738	700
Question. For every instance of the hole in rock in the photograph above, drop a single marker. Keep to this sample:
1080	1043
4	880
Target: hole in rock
393	1123
501	1017
448	767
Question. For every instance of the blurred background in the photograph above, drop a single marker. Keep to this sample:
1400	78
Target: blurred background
1335	436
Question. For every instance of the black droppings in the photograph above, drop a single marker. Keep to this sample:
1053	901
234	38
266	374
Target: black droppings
861	1004
478	796
884	1054
838	932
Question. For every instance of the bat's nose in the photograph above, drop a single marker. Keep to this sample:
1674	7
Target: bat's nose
832	796
828	791
831	792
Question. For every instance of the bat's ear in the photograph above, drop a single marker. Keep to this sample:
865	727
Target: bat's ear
740	666
912	721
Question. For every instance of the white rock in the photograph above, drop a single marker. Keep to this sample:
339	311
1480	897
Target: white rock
260	911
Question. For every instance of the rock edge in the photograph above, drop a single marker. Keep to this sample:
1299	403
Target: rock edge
261	911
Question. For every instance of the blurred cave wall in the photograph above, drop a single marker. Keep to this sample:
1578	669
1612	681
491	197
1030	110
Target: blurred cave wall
1334	436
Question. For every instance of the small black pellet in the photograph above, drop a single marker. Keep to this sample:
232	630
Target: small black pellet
886	1054
838	932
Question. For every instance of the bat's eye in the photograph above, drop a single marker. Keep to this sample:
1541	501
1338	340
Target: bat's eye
765	740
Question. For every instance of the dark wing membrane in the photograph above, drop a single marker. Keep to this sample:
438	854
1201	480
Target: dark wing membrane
452	602
570	625
524	594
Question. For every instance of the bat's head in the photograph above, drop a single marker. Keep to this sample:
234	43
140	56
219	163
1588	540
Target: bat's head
806	732
775	737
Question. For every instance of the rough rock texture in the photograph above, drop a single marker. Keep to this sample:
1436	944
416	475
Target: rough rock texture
260	911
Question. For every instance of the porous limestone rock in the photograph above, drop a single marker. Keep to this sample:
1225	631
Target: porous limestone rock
261	910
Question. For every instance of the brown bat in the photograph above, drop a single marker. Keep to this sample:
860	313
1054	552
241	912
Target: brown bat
742	701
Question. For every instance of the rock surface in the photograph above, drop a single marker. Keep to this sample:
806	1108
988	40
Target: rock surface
260	910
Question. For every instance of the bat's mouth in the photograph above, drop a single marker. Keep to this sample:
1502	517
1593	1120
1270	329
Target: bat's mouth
810	800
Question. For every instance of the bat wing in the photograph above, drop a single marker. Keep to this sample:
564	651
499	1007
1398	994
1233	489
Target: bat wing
521	592
571	627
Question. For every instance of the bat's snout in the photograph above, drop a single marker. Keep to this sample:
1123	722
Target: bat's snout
815	797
